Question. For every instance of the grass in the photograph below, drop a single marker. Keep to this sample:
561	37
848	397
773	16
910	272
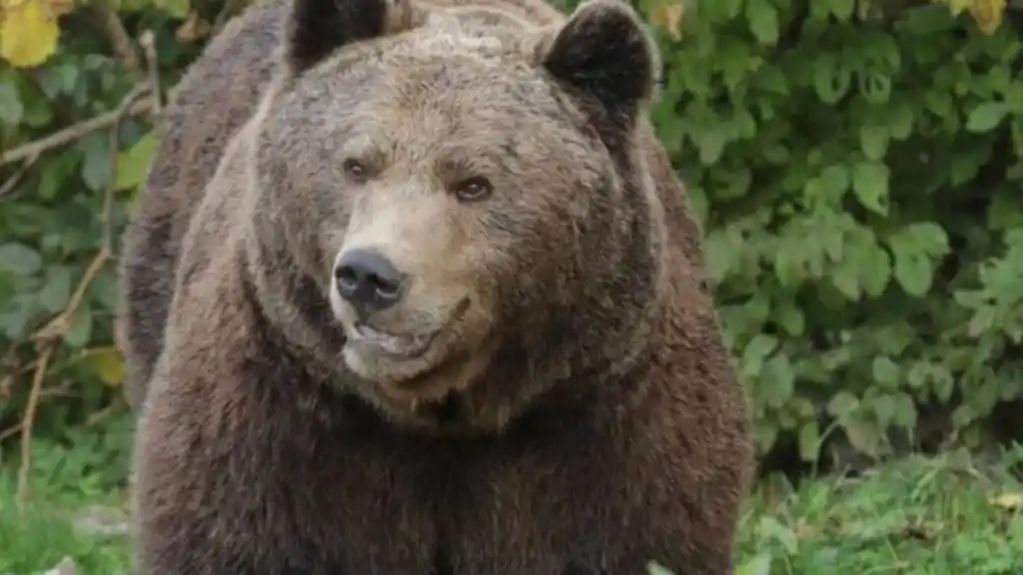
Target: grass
920	516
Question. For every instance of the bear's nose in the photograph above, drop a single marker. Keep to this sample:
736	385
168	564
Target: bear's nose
368	280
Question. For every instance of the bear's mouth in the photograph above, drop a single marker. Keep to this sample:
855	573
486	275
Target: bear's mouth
403	346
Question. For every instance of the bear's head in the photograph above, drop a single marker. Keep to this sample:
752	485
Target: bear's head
464	195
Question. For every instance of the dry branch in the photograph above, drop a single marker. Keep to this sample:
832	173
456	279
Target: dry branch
148	44
120	41
34	149
26	423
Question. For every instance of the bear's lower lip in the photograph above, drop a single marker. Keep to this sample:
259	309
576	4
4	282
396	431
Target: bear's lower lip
400	345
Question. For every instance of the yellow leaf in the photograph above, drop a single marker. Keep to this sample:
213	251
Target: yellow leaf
107	363
28	33
1008	501
957	6
668	15
988	14
193	29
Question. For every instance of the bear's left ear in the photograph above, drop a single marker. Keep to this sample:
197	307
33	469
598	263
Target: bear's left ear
605	51
316	28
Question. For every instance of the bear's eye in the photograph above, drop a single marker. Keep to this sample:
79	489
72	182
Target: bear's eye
473	189
355	170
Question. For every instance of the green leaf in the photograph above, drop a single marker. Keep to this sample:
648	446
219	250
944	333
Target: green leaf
80	330
57	290
870	184
809	441
18	259
845	276
133	163
905	411
766	433
711	143
176	8
776	381
986	116
836	179
96	168
757	565
763	21
842	404
899	120
720	10
864	436
874	140
11	108
914	248
875	271
842	9
721	249
732	59
758	348
790	317
884	410
829	80
930	237
15	319
939	102
886	372
772	79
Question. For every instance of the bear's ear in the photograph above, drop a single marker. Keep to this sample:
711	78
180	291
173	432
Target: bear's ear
318	27
605	51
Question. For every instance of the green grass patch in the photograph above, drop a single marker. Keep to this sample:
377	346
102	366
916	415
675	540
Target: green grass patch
921	516
36	537
947	515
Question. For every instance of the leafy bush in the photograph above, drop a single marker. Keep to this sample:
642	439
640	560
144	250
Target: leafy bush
857	170
75	109
855	165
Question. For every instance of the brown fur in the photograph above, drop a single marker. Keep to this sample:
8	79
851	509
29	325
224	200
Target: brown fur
578	415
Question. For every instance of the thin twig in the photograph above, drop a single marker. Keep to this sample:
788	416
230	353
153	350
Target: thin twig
10	184
10	432
75	132
153	68
120	41
28	420
98	417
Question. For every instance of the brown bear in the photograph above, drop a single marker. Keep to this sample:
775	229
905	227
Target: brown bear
429	301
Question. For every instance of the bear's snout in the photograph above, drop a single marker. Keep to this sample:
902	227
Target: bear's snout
369	281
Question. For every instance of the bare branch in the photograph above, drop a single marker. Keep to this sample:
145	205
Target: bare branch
77	131
120	41
27	421
153	67
10	184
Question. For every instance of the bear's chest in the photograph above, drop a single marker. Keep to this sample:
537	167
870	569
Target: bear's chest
386	506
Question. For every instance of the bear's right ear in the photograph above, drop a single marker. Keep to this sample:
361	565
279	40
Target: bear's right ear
318	27
605	51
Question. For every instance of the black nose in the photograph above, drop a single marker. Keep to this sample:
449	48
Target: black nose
368	280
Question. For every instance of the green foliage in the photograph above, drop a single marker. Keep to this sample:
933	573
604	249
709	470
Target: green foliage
60	206
857	176
855	167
